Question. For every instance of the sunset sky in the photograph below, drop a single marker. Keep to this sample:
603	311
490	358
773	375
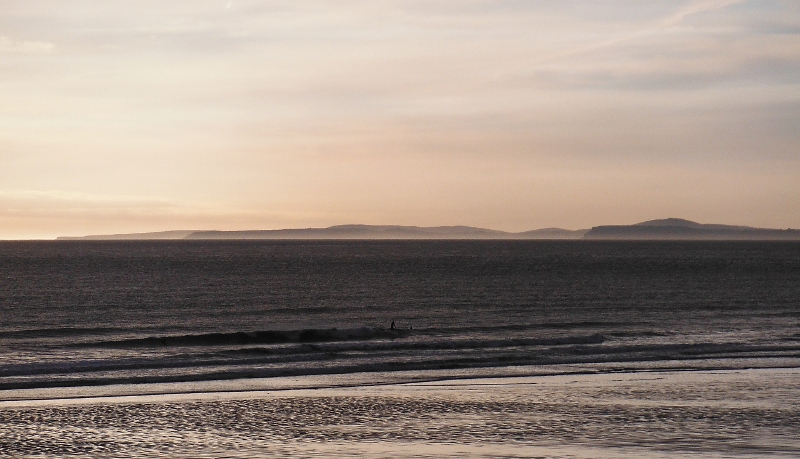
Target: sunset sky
131	116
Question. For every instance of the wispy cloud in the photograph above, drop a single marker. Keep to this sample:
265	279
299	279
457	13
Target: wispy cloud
8	45
694	8
39	202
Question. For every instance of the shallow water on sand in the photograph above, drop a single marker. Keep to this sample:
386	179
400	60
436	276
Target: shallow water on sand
746	413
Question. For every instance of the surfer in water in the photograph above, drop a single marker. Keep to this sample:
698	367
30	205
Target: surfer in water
391	327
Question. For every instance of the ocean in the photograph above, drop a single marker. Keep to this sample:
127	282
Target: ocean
115	319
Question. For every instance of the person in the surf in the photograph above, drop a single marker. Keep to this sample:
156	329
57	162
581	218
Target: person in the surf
391	327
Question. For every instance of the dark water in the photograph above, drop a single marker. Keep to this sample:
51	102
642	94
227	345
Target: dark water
89	313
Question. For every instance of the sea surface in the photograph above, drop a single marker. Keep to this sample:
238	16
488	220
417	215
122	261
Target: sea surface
188	315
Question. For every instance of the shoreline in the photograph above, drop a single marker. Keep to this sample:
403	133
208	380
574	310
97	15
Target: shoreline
122	393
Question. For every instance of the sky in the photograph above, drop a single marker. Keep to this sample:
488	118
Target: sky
133	116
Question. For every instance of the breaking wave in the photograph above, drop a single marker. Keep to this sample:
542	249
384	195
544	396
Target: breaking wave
314	335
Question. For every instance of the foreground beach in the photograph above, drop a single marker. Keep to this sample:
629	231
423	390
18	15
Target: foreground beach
723	413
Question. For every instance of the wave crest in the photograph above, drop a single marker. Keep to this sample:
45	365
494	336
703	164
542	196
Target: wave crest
312	335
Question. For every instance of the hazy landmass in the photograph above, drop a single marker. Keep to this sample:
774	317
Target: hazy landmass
668	229
358	232
351	232
177	234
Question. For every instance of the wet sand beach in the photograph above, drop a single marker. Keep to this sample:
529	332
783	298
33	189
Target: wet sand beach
730	413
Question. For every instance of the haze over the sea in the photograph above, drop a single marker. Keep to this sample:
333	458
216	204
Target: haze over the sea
234	115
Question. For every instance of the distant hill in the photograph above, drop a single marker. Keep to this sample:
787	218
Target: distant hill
679	229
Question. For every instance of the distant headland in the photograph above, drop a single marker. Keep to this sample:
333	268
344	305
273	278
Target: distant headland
680	229
663	229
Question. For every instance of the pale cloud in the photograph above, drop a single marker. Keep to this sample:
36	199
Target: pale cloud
7	45
19	198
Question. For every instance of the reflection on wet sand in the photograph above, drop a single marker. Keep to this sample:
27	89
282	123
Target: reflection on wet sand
664	414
